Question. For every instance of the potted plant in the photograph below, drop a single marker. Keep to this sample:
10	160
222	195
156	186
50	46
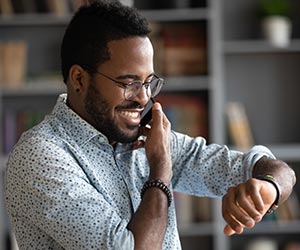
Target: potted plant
276	22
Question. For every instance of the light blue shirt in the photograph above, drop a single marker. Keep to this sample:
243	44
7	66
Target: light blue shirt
68	188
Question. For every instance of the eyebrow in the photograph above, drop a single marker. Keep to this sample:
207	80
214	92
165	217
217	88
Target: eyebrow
132	76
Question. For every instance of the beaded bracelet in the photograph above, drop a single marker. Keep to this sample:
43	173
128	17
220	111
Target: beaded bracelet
158	184
272	180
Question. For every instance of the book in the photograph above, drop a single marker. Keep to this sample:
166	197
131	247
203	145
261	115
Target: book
290	209
187	113
158	47
184	61
184	208
13	61
185	49
1	63
59	7
15	123
41	6
24	6
6	8
9	130
202	209
238	125
292	245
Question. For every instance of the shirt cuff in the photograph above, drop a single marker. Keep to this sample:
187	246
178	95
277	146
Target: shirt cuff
254	154
124	239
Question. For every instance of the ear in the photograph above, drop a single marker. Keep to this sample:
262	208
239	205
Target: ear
78	79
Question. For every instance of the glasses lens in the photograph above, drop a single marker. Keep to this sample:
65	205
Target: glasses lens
152	89
133	90
155	86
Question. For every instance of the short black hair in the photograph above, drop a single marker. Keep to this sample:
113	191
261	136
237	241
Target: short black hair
92	27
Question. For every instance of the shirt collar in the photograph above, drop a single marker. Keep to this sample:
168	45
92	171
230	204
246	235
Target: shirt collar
73	125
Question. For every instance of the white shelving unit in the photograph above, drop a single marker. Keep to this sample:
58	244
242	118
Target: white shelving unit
236	54
265	79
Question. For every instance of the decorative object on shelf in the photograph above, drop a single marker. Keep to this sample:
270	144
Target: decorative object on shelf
262	244
13	61
238	125
276	23
127	2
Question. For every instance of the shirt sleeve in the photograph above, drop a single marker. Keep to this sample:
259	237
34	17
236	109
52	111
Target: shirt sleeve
47	188
209	170
254	154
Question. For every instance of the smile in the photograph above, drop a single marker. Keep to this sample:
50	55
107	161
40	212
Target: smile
131	117
130	114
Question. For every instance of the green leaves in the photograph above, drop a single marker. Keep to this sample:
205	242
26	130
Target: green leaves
275	7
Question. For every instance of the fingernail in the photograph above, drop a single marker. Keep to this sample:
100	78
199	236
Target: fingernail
257	218
157	106
249	223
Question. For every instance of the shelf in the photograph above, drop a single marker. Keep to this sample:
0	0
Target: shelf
36	19
164	15
33	19
258	46
3	160
180	83
197	229
186	83
275	227
228	65
286	152
33	90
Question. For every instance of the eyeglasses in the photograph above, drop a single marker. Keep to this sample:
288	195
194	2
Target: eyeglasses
133	88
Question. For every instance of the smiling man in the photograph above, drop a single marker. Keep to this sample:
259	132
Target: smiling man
113	100
90	177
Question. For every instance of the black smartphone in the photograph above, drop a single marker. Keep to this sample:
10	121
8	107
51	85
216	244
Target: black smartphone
146	115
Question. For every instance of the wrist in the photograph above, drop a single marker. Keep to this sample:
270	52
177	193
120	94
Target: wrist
164	177
157	183
272	180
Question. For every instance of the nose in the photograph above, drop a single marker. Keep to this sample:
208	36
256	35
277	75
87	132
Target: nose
143	96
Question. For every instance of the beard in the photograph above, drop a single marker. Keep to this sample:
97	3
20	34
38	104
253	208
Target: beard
98	109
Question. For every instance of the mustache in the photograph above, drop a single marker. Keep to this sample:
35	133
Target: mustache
132	105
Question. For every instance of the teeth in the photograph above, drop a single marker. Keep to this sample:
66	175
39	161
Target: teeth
131	114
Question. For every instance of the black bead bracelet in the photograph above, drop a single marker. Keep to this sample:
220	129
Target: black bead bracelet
158	184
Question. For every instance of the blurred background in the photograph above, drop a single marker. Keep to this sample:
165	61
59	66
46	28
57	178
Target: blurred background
232	76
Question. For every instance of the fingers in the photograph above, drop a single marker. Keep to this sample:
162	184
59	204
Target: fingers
156	108
243	206
253	188
229	231
233	213
138	144
158	117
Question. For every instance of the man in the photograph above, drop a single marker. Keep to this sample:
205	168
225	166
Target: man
89	177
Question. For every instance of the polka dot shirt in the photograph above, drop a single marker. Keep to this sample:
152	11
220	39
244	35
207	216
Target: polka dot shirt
68	188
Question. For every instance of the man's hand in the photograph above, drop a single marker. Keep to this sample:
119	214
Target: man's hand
246	204
157	145
149	222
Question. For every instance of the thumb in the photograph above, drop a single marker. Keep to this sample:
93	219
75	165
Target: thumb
156	112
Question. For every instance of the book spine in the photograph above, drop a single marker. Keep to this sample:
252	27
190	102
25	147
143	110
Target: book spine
9	131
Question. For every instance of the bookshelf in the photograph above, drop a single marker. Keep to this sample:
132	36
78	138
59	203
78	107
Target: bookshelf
265	79
235	54
42	33
201	87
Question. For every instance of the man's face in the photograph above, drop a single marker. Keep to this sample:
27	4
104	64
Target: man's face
105	105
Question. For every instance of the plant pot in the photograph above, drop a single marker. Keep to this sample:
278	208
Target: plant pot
277	30
127	2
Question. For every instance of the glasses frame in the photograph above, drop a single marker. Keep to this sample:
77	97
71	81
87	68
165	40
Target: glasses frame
126	85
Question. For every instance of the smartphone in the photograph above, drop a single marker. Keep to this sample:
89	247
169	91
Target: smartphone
146	115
